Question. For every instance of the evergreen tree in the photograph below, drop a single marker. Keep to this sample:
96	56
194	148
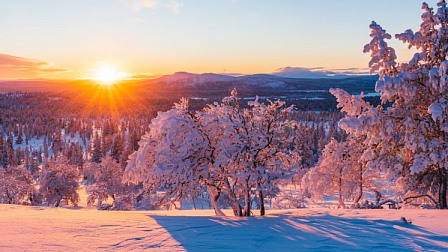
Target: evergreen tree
19	139
416	121
45	148
96	153
117	148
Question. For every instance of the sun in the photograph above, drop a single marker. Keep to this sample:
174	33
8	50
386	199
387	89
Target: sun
106	75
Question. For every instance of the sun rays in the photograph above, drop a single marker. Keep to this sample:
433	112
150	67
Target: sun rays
108	75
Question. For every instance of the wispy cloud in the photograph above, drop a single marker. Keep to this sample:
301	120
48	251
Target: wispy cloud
135	20
174	6
318	72
138	5
96	74
32	28
351	71
19	67
143	76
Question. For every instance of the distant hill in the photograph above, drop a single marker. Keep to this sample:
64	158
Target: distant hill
305	93
183	79
311	93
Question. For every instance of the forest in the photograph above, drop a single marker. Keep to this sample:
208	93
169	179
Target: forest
51	143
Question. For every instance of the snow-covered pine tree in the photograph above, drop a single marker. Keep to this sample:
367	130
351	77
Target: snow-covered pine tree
57	143
46	154
19	139
417	121
117	148
96	149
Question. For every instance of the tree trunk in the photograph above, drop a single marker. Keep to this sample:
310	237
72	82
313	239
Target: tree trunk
9	197
246	211
419	196
58	202
260	197
442	188
237	211
360	186
194	205
340	199
214	195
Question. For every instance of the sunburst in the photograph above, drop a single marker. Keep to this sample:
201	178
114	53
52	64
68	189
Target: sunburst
108	76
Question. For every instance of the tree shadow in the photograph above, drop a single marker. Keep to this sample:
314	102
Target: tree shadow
284	232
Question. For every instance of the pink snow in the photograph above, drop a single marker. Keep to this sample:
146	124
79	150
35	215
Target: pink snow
61	229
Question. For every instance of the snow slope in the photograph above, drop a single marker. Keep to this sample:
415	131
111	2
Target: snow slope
57	229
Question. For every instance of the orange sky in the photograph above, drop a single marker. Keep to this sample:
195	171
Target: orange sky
148	38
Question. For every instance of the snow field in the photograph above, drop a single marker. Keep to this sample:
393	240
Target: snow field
56	229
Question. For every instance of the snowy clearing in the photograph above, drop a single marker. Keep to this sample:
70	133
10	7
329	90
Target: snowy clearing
57	229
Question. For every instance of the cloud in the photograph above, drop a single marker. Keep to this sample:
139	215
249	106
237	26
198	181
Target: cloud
136	76
232	74
122	76
174	6
140	4
143	76
33	28
318	72
352	71
137	5
17	67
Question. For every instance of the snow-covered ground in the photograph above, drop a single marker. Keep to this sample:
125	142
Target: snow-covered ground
61	229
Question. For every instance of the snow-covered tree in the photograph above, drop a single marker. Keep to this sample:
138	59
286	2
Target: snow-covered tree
253	145
224	148
341	173
59	181
172	157
117	148
104	181
96	149
408	140
16	185
19	139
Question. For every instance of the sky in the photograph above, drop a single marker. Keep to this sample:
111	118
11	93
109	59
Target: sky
72	39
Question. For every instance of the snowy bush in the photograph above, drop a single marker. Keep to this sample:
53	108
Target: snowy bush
59	181
287	200
123	203
16	186
341	173
104	181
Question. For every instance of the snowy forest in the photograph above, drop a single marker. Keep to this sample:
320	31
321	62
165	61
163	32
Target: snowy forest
239	154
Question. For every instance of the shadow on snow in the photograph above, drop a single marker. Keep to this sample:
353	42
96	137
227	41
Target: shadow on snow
284	232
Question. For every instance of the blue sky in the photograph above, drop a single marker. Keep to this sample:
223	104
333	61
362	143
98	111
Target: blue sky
221	36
